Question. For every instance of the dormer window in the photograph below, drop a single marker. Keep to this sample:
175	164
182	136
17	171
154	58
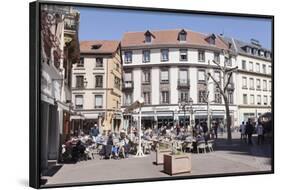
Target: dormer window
148	37
254	51
211	39
267	54
182	36
96	46
248	49
261	53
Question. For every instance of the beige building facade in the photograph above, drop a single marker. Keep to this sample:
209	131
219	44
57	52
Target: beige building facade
96	86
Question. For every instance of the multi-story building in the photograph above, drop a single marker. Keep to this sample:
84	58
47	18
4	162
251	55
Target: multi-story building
169	66
253	79
59	50
96	86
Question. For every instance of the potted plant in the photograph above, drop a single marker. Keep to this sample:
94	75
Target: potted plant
177	162
160	151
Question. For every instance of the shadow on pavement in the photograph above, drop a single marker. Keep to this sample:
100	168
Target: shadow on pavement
241	147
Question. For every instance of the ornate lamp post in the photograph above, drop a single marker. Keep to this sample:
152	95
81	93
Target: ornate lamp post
182	105
191	121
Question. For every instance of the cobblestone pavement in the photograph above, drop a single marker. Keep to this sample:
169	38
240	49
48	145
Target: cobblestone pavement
237	157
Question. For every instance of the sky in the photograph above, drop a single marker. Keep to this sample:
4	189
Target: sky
110	24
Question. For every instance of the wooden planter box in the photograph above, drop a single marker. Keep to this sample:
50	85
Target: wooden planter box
175	164
160	155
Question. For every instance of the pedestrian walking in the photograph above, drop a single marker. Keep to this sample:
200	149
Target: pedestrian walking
216	129
95	132
243	131
249	131
260	132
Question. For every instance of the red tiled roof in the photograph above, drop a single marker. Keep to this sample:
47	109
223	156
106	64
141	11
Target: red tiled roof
170	37
106	46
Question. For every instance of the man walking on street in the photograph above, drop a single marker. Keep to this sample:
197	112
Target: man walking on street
249	131
242	130
95	132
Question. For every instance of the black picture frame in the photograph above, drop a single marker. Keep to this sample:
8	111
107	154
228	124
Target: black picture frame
34	90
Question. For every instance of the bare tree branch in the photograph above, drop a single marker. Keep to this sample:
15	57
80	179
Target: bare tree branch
218	65
227	83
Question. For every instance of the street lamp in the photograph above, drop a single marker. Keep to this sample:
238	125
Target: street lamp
183	105
191	112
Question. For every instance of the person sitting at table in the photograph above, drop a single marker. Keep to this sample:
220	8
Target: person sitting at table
199	138
124	146
115	151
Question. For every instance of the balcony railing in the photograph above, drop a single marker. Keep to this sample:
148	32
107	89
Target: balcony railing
127	85
183	83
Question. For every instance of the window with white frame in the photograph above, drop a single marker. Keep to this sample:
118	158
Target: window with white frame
164	54
79	101
164	76
127	80
201	76
244	82
183	95
201	56
265	100
99	81
128	56
228	61
146	76
202	96
128	100
264	68
146	56
98	101
258	69
183	54
183	76
80	81
244	67
269	85
252	86
230	97
258	81
146	97
217	57
218	98
259	99
269	70
251	66
99	62
264	85
164	97
217	76
245	99
252	99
